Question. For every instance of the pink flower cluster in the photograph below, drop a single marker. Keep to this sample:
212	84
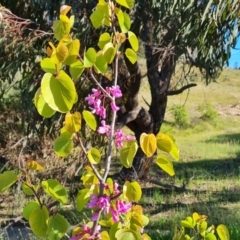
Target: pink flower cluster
97	98
119	136
108	205
87	230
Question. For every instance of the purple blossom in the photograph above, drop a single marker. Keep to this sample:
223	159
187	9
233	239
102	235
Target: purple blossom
104	129
114	107
116	91
121	207
119	136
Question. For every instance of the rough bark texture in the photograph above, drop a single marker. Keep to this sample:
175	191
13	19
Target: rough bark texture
132	114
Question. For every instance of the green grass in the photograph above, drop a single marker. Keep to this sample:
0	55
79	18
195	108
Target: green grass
210	160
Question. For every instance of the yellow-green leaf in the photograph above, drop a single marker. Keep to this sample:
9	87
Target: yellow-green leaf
89	178
54	189
166	144
165	164
82	198
131	55
94	156
128	153
97	17
76	69
7	179
188	223
61	53
35	165
41	105
29	208
90	119
123	20
58	92
127	234
132	190
100	65
104	39
61	27
223	232
73	122
89	57
27	190
109	52
38	222
126	3
49	66
133	41
57	227
73	52
63	145
210	236
148	144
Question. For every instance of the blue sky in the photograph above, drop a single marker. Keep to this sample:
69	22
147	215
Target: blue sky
235	55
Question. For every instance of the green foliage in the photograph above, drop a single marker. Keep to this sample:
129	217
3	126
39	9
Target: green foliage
53	188
208	112
199	229
180	115
7	179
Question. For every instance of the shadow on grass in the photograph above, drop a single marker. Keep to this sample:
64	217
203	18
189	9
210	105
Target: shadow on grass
226	138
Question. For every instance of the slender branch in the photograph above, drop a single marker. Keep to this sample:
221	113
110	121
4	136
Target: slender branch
178	91
34	192
92	166
99	85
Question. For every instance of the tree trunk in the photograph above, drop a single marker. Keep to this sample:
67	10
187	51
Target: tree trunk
138	119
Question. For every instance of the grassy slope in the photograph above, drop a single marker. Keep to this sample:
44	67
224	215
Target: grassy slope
210	158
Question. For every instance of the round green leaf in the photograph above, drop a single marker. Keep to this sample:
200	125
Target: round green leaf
76	69
7	179
165	164
188	223
127	154
97	18
131	55
128	234
27	190
90	119
133	41
73	122
94	156
132	190
109	52
58	92
100	65
73	52
89	57
61	27
29	208
38	222
223	232
53	188
42	107
210	236
57	227
63	145
48	66
104	39
82	198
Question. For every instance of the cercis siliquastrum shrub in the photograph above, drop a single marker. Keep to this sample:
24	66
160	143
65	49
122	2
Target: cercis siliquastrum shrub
113	216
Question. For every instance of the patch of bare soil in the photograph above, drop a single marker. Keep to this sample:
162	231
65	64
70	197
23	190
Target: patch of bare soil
228	110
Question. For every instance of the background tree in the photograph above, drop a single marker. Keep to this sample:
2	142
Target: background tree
202	32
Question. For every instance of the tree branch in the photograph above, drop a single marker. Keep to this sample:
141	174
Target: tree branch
178	91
